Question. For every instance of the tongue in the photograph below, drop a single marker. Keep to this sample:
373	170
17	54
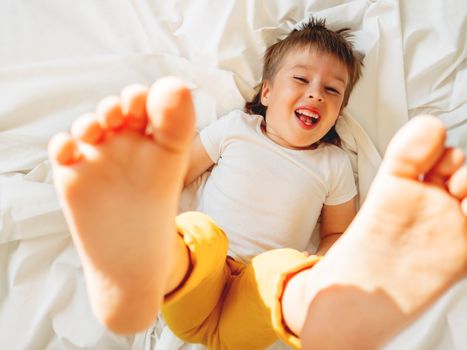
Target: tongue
307	120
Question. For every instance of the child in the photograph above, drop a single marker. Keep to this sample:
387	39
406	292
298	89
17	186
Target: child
273	175
276	169
120	190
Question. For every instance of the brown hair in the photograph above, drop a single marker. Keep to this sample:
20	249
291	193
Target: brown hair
310	34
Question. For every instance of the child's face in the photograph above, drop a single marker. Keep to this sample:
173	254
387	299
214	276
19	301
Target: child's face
304	98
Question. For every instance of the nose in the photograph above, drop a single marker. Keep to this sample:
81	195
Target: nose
317	97
315	93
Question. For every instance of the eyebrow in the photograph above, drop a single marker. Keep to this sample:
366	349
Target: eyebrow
304	66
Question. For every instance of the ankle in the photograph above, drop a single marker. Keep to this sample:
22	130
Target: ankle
340	315
181	266
294	314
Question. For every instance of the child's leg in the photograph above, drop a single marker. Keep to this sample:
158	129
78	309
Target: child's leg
251	313
228	305
407	245
119	189
192	310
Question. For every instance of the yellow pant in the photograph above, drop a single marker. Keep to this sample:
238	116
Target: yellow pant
227	305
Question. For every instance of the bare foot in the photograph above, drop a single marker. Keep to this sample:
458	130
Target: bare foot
407	245
119	187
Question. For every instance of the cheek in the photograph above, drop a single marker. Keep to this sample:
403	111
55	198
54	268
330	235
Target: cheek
338	103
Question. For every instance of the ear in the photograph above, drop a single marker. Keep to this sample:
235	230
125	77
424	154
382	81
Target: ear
265	89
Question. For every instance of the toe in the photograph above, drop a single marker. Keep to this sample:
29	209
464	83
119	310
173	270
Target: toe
133	102
63	149
87	129
171	113
109	113
451	160
464	206
415	148
457	184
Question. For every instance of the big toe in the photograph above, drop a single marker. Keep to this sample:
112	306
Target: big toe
416	148
171	112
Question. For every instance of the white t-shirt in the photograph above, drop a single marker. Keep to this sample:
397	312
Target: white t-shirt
265	196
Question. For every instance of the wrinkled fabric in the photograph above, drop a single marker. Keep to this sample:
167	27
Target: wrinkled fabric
59	58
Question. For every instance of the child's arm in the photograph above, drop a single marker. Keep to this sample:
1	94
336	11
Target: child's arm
334	221
199	161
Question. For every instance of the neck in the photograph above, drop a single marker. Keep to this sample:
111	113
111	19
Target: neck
276	138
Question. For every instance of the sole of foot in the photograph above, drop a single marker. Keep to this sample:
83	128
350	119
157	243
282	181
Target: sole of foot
119	187
406	246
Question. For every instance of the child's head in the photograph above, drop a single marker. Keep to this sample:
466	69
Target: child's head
307	78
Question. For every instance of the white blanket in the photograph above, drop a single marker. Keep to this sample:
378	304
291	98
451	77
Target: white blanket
59	57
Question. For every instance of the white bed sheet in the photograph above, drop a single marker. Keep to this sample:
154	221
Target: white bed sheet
58	58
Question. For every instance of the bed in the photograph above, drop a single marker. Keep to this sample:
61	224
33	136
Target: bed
59	57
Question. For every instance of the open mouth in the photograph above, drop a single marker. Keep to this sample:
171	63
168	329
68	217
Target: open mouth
307	117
